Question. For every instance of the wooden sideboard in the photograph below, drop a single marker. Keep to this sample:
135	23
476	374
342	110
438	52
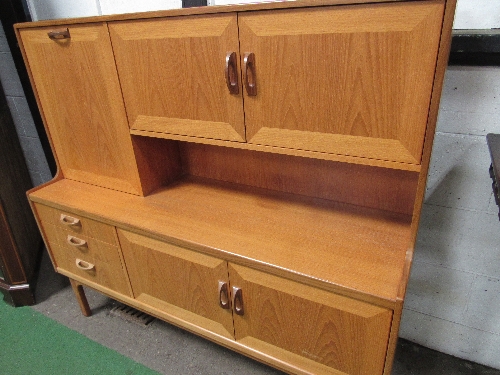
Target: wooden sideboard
251	173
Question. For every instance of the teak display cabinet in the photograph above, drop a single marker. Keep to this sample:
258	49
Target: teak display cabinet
251	173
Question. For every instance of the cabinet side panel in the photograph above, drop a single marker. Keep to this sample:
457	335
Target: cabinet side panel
79	93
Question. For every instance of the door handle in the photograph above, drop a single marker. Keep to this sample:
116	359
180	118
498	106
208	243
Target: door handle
232	73
224	301
250	74
238	301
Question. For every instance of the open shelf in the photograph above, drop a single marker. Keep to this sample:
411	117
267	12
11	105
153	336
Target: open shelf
333	244
283	150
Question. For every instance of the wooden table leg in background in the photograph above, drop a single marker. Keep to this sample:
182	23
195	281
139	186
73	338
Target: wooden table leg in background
80	297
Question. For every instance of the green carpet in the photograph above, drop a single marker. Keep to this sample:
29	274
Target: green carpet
32	344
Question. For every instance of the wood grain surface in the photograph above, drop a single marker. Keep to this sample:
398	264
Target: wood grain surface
349	183
178	280
343	80
333	331
77	85
172	73
359	249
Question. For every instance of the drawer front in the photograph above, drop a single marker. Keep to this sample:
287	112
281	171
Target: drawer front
76	224
307	327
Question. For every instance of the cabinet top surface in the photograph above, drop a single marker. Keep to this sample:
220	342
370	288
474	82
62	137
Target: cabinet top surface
285	4
360	249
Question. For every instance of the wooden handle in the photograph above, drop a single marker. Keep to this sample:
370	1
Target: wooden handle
84	266
232	74
250	74
59	34
238	301
224	295
76	242
69	220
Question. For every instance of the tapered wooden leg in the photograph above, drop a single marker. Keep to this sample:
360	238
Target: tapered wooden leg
80	297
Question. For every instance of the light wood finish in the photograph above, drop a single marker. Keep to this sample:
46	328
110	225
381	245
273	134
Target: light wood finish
198	10
76	81
343	80
86	227
349	183
307	217
177	280
283	151
81	298
331	331
107	267
360	249
172	73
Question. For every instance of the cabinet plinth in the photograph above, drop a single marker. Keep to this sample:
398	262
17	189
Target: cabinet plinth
253	173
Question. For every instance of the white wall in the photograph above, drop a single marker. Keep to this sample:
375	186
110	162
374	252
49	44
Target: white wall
477	14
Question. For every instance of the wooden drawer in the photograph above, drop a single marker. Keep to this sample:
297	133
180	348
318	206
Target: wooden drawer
76	224
90	259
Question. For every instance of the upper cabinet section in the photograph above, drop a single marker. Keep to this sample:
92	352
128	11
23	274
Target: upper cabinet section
181	76
349	80
75	78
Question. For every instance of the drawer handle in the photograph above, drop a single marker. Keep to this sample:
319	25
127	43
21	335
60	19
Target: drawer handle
238	301
75	241
59	34
232	73
250	74
84	266
224	295
69	220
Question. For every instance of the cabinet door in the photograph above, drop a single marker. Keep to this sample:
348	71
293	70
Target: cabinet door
180	282
308	328
351	80
77	84
173	74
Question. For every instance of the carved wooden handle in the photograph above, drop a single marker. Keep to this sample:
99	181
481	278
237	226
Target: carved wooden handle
232	73
76	242
238	301
59	34
224	295
69	220
250	74
84	266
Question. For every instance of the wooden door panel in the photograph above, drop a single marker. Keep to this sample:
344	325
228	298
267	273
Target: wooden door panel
353	80
309	327
178	281
173	75
79	92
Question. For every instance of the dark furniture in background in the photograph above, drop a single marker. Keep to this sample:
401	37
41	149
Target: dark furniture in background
493	141
20	240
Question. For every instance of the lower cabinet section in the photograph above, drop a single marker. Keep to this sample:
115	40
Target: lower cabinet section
294	323
306	329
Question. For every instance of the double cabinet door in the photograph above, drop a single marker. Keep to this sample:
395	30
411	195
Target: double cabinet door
288	321
351	80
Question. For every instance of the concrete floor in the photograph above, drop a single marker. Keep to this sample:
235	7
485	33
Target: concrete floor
170	350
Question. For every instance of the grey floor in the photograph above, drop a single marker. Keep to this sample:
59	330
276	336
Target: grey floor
170	350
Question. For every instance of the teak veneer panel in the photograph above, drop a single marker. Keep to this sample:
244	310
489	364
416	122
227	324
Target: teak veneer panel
356	184
330	332
351	80
360	249
172	73
76	81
